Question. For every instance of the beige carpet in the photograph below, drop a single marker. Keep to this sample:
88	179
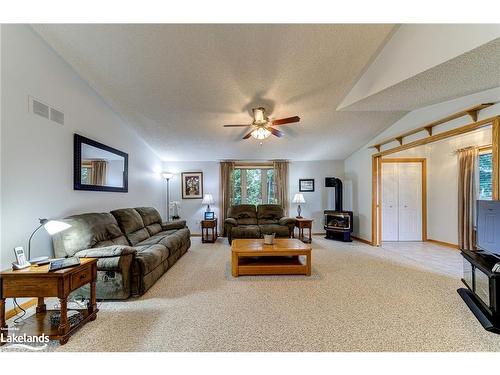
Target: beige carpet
359	298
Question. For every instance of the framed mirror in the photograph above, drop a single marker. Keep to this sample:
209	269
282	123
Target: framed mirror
98	167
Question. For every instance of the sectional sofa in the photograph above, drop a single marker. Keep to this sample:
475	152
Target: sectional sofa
248	221
133	246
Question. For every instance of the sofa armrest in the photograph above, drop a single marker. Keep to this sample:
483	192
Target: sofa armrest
176	224
106	252
230	221
288	221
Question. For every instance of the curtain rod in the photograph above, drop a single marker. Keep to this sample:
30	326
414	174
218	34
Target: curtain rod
253	161
480	148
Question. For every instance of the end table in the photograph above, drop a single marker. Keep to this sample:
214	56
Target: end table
37	281
205	226
307	224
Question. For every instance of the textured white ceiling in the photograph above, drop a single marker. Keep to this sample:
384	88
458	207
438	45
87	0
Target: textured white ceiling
178	84
473	71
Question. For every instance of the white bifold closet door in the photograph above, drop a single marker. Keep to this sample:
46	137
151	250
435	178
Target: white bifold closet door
401	201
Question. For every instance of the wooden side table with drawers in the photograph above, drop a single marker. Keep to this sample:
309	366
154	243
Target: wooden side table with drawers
37	281
205	226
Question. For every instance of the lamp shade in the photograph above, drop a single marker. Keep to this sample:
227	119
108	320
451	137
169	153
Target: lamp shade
207	199
167	175
54	226
299	198
261	133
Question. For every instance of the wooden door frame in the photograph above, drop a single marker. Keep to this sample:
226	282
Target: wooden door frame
494	122
423	163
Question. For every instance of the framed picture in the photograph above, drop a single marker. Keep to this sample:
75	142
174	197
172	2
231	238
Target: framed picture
192	185
209	215
306	184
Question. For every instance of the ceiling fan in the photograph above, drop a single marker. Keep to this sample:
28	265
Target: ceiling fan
262	126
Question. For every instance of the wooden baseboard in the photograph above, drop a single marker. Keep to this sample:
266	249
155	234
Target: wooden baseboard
442	243
362	240
25	305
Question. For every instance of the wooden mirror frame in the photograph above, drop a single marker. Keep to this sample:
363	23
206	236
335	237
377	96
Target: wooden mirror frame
78	140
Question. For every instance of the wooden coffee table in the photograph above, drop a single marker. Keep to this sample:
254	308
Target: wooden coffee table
253	257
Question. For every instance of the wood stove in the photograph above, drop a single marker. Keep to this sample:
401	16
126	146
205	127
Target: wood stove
337	223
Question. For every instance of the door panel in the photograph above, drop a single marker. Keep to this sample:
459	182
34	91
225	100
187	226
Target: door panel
389	202
401	201
410	201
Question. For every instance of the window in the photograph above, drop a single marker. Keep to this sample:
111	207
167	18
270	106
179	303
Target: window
485	175
86	171
253	186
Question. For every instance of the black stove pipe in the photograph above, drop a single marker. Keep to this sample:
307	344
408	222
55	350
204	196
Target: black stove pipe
337	184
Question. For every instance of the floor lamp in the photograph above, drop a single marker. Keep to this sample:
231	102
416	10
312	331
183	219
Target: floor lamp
167	176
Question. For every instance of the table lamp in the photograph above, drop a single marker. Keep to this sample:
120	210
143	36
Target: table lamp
208	200
52	227
299	198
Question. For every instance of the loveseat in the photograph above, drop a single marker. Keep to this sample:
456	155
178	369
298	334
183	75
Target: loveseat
249	221
133	247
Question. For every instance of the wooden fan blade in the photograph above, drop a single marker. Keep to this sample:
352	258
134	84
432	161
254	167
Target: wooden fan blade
276	132
234	126
288	120
248	135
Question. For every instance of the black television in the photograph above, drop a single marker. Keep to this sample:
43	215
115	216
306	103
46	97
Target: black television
488	226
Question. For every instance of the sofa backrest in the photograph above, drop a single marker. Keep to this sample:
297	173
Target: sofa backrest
151	219
245	214
269	213
88	231
131	224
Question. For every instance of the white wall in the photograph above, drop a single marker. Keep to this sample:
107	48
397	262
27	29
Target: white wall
321	199
191	209
37	154
358	168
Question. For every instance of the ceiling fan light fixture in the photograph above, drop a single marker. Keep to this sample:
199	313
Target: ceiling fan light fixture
261	133
259	116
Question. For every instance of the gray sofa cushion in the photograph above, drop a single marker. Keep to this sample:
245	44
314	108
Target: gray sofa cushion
245	231
245	214
110	258
131	224
172	239
105	252
149	257
151	219
269	213
88	231
176	224
280	230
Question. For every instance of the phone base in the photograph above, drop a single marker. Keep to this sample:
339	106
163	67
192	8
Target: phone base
16	266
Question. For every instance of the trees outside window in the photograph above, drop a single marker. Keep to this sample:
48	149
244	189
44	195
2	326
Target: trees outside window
253	186
485	176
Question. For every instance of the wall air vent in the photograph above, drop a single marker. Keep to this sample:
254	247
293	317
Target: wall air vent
41	109
57	116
